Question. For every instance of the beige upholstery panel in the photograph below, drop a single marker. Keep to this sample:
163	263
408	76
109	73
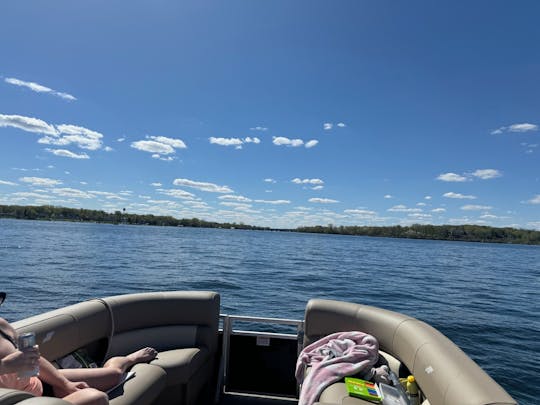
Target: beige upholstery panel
324	317
445	374
10	397
56	335
142	389
161	338
181	364
337	394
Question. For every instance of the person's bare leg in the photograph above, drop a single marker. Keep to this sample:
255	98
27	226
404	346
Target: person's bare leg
87	396
124	362
110	374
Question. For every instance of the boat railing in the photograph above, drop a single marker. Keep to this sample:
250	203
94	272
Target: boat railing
228	324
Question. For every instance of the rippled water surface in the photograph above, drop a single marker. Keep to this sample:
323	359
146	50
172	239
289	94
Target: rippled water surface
482	296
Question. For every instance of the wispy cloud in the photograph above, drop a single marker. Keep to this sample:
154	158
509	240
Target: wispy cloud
269	180
451	177
360	212
7	183
483	174
486	174
159	145
82	137
283	141
40	181
203	186
534	200
388	196
438	210
273	202
524	127
237	142
262	129
473	207
28	124
327	126
176	193
38	88
71	193
307	181
67	153
459	196
403	208
238	198
323	200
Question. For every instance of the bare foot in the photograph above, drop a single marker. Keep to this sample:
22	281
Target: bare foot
143	355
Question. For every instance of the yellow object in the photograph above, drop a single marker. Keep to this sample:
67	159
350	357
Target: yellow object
412	390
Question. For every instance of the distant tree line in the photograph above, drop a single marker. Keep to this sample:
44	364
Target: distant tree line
52	213
467	233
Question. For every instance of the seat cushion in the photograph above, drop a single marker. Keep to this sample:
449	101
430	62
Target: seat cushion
181	364
337	394
142	389
9	396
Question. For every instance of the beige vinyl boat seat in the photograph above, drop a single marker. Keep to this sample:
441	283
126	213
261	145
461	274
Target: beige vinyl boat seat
181	325
445	374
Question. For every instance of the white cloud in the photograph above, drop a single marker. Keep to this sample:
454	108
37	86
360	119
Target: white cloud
67	153
258	129
28	124
175	143
38	88
311	143
438	210
121	139
307	181
459	196
7	183
210	187
451	177
388	196
473	207
428	197
360	212
156	184
71	193
84	138
524	127
238	198
153	147
534	200
317	188
159	145
323	200
282	141
268	180
274	202
403	208
40	181
327	126
486	174
108	149
254	140
237	142
176	193
341	124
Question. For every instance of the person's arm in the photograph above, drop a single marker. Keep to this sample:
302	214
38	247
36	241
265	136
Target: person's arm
50	375
19	361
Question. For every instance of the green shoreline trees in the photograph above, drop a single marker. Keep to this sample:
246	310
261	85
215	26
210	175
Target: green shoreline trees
466	233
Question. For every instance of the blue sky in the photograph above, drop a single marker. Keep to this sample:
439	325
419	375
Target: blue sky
276	113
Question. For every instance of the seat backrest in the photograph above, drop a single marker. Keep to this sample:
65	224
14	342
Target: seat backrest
164	320
444	372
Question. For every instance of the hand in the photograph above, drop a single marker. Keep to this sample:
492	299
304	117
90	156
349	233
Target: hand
69	388
20	360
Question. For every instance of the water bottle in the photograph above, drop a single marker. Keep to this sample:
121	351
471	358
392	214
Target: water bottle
412	391
27	340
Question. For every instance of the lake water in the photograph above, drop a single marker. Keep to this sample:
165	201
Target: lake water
484	297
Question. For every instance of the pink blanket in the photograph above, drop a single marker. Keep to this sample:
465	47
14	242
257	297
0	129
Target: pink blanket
332	358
